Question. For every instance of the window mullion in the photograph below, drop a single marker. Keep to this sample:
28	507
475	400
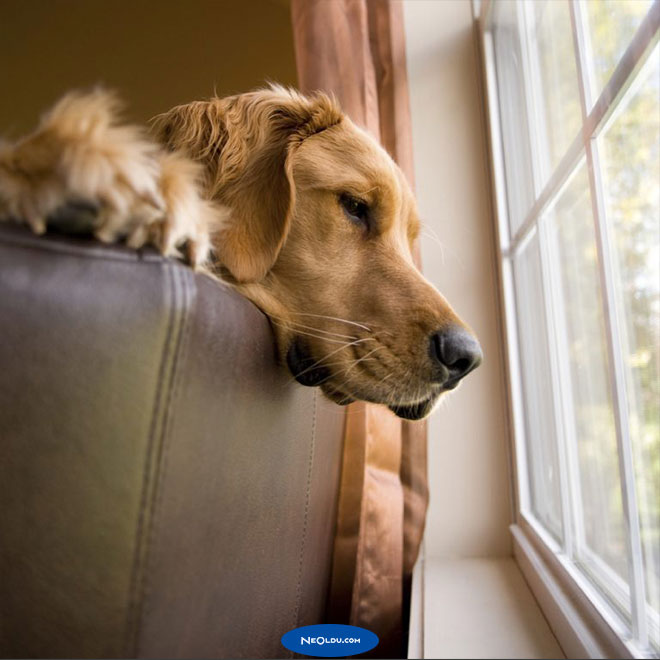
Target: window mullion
524	20
582	46
614	339
497	153
561	381
581	63
550	273
571	441
531	81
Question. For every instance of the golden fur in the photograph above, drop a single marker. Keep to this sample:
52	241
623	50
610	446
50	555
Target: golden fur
255	188
81	153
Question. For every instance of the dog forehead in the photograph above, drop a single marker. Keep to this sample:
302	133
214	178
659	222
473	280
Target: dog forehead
344	157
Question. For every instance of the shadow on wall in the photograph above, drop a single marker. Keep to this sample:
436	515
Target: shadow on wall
156	54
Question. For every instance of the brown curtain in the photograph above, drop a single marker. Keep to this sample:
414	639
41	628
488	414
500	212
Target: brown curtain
355	49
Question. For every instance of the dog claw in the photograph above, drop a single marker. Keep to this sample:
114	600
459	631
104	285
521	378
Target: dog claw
74	218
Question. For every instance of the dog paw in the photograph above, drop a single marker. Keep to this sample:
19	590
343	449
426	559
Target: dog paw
189	221
82	171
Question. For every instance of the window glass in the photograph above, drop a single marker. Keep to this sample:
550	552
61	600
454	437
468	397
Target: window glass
631	163
513	112
612	25
541	434
554	82
592	444
589	358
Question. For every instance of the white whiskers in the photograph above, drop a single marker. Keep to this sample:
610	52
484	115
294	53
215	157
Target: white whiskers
335	318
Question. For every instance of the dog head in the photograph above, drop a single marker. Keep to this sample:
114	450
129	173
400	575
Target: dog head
319	236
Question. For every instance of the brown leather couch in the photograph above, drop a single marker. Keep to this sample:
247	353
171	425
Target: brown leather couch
165	488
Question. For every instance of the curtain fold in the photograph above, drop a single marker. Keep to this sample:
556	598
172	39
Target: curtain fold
355	49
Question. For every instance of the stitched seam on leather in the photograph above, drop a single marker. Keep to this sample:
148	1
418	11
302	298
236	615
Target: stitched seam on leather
134	613
306	516
359	558
187	290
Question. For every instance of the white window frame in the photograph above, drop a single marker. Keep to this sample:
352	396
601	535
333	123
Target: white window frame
585	622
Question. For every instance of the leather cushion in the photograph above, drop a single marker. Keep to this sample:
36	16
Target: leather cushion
166	489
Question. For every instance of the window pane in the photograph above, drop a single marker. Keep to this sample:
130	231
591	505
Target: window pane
553	78
631	163
541	436
612	24
600	534
513	112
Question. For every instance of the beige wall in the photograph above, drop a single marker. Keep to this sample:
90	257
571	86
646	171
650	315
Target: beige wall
157	53
468	454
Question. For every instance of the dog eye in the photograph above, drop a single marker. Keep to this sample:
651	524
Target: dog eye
355	209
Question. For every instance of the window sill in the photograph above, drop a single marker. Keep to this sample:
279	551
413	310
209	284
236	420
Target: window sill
579	626
476	608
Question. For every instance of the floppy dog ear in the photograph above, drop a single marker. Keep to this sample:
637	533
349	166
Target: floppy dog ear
246	143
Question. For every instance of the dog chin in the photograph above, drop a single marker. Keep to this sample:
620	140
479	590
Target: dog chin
340	398
411	412
415	411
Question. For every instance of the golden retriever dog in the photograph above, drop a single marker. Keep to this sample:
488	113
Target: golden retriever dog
282	196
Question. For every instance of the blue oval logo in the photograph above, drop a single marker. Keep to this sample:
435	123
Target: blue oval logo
329	640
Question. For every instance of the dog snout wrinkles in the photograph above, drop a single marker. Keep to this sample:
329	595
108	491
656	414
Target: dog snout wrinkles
455	353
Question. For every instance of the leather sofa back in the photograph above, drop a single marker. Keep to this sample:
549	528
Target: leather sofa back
166	490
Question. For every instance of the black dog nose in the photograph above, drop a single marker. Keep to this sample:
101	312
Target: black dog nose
457	351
